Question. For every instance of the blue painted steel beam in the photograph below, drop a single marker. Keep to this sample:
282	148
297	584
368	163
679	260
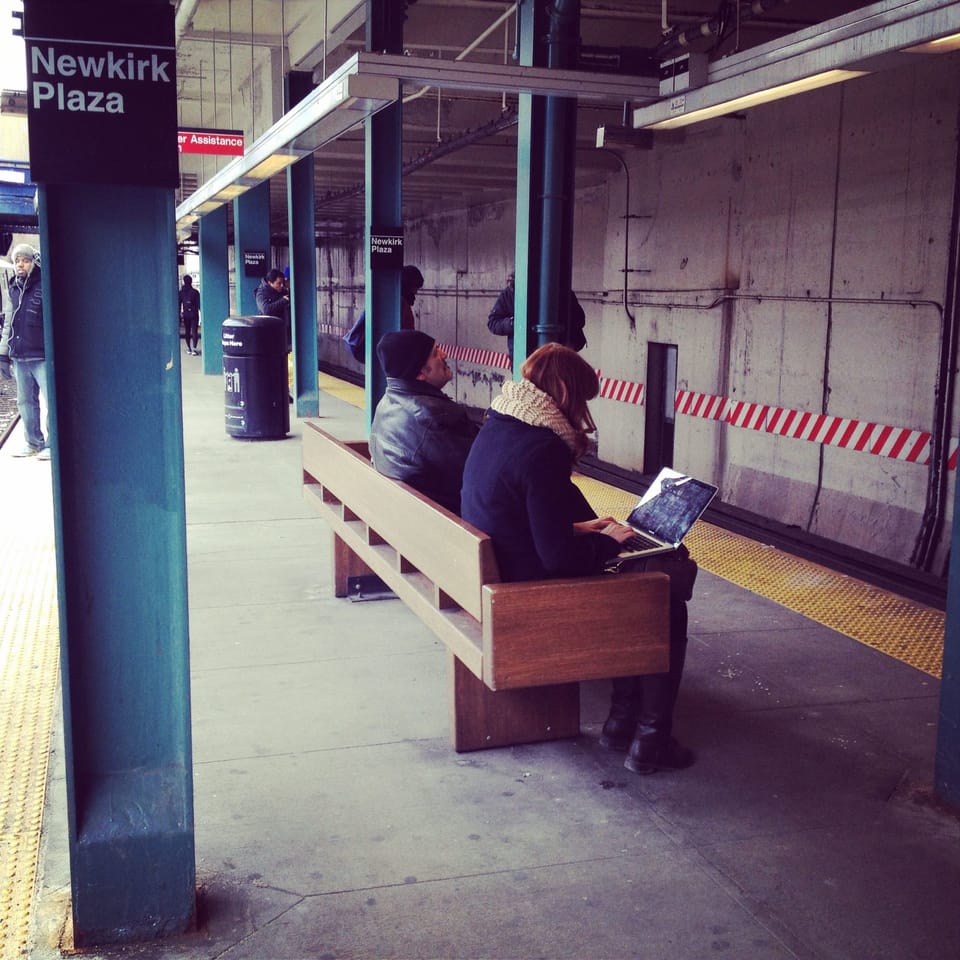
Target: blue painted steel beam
383	196
18	200
529	226
947	765
303	286
251	232
214	286
116	427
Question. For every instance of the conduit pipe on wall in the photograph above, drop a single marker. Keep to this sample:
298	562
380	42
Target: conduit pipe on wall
931	529
712	27
559	152
509	12
626	232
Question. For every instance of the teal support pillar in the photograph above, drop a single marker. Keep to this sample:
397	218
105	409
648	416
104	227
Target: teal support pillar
251	238
383	167
947	766
116	423
532	26
113	356
559	168
214	286
548	34
303	286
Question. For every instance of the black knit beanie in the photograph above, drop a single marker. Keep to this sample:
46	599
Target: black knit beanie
403	353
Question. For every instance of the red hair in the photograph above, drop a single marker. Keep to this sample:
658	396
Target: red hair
569	380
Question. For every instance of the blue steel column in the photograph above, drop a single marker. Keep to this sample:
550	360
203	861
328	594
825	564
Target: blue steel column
559	167
947	767
301	220
383	167
214	286
303	286
116	420
529	230
251	231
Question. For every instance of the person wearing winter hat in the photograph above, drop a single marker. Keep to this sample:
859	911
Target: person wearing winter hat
419	434
22	342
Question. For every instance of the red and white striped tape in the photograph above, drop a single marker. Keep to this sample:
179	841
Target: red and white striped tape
895	443
486	358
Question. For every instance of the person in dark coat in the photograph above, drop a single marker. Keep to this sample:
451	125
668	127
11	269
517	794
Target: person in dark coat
517	488
500	318
190	315
22	341
419	434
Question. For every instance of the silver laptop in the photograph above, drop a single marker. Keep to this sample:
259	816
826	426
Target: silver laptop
673	503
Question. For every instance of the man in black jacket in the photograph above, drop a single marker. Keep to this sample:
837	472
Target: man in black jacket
22	342
500	319
419	434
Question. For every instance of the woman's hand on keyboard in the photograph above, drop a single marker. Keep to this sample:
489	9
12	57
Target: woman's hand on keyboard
619	531
597	525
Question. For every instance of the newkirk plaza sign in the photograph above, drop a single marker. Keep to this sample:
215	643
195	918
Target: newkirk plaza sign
101	92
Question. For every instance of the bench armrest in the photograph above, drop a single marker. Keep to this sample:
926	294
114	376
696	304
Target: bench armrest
584	628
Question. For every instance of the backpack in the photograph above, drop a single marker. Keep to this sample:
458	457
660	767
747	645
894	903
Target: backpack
356	339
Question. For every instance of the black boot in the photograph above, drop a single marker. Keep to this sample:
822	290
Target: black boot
653	748
620	727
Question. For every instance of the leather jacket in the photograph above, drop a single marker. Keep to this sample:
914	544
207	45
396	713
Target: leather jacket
421	436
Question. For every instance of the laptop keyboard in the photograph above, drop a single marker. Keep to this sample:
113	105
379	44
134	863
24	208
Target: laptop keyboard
639	542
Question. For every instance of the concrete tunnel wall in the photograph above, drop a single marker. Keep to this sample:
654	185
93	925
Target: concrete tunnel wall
845	193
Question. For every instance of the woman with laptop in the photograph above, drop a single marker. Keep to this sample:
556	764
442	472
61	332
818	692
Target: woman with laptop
517	488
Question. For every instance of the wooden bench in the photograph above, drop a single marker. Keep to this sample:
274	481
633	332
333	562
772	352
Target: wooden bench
517	650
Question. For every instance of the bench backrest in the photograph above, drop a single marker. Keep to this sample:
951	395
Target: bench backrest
455	556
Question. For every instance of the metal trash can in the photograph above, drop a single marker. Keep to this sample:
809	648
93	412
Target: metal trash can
256	401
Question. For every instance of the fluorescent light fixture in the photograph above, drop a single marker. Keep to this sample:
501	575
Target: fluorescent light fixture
497	78
273	165
207	206
941	45
342	101
682	119
869	39
231	191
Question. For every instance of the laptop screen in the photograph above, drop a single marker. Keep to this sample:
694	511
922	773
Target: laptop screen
671	506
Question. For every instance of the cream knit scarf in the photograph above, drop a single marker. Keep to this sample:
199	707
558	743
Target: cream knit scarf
529	404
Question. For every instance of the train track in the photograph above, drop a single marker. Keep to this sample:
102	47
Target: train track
8	409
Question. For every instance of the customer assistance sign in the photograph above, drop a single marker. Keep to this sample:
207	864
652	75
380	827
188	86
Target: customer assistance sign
101	92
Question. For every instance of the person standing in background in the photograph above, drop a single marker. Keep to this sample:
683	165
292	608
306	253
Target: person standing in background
190	315
22	343
500	318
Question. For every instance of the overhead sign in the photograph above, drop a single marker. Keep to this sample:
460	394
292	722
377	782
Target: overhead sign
386	248
101	92
224	143
254	263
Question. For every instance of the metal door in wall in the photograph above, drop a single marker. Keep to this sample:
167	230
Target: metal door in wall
660	394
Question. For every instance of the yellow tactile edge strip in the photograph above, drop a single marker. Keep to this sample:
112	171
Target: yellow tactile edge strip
29	668
894	625
343	390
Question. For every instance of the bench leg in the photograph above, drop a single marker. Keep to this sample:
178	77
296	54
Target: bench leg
346	564
482	718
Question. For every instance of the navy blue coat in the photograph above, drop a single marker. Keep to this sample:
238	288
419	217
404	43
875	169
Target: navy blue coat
517	489
26	317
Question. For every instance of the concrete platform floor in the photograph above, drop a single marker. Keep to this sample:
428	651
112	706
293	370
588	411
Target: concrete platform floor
334	821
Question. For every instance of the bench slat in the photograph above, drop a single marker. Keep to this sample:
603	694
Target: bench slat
456	628
575	629
518	649
454	555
